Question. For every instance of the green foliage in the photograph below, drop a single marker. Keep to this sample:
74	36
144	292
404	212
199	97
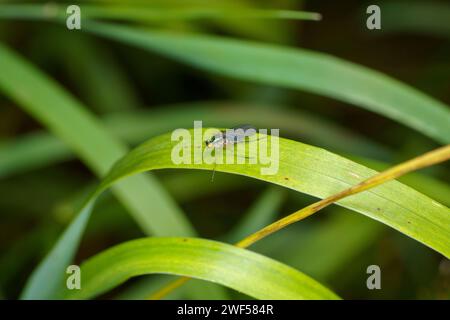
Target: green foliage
424	219
87	99
243	270
317	172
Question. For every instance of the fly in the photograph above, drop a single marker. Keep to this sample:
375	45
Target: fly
229	137
235	135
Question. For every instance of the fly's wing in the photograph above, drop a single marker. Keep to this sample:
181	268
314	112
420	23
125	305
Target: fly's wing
239	133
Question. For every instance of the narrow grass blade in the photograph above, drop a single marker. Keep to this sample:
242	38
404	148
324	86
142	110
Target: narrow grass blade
131	12
242	270
319	173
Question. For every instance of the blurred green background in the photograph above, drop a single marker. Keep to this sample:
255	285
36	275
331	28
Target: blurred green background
138	94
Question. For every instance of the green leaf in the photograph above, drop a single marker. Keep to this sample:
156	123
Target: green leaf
295	68
319	173
239	269
149	204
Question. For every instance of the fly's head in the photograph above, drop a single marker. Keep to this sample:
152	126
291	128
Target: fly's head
216	141
210	142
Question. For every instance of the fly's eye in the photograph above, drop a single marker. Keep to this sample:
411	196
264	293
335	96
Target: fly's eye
213	138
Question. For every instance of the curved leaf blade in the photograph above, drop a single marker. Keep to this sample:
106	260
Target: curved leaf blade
319	173
239	269
150	13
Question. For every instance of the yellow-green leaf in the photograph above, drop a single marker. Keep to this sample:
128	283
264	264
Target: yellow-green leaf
319	173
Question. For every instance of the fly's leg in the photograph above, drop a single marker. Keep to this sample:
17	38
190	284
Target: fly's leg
214	171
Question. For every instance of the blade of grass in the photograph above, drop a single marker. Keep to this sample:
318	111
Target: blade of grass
242	270
144	13
319	173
